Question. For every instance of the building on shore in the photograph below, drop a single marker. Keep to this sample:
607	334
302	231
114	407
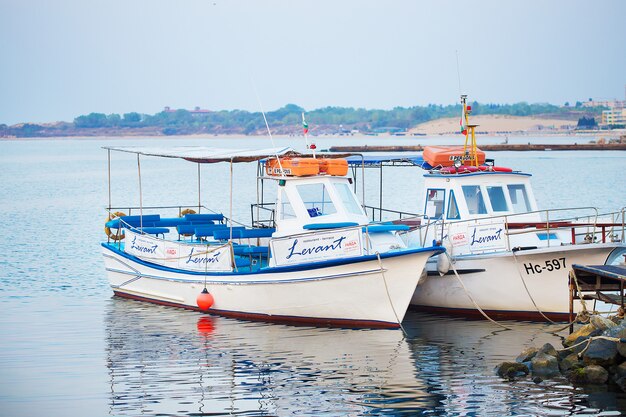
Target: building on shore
614	116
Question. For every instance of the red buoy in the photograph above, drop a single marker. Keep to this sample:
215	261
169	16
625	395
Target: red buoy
205	325
204	300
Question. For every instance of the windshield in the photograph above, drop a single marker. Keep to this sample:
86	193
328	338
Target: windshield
474	199
316	199
347	198
519	198
496	196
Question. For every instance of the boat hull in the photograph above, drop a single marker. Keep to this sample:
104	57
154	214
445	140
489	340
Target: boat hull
354	293
496	282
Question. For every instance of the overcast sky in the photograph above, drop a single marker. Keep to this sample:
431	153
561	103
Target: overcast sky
64	58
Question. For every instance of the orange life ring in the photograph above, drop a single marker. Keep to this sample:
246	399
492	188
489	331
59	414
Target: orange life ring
107	230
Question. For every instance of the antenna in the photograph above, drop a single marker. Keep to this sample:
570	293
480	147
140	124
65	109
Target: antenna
305	129
458	71
269	132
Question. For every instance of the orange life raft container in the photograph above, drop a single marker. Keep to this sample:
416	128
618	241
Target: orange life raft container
303	167
446	155
336	167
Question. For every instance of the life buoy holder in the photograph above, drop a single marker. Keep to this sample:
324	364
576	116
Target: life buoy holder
463	169
491	168
119	234
187	211
182	214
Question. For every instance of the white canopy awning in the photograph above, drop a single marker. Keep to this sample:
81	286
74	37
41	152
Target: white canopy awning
205	155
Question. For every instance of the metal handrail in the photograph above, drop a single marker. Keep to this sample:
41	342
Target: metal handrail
549	225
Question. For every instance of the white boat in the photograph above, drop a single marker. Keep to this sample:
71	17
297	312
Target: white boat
504	255
323	264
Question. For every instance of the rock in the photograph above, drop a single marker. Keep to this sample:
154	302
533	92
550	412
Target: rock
620	371
510	370
583	333
618	331
601	323
526	355
601	352
548	349
545	365
568	362
577	374
595	374
537	380
621	383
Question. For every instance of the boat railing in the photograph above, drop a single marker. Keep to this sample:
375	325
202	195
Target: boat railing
587	227
263	214
372	213
135	210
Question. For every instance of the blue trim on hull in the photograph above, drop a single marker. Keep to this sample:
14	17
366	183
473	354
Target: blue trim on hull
289	268
327	322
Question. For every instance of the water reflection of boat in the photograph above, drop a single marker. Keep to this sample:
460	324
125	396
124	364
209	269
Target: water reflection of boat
323	262
161	361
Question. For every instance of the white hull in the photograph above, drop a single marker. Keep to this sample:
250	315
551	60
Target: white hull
354	294
496	282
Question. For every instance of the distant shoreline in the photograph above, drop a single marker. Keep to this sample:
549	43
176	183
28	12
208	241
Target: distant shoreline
487	125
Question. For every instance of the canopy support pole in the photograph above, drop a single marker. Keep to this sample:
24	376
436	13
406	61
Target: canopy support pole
199	199
140	196
230	216
380	195
109	172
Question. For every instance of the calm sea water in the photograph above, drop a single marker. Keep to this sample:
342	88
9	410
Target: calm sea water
68	348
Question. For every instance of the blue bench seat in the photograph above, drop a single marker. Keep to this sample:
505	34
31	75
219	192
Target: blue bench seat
152	230
208	217
323	226
243	233
149	220
379	228
207	230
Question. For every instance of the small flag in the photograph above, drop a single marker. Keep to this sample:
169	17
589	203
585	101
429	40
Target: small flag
305	126
463	127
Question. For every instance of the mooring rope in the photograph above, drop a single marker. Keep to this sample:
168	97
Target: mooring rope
528	291
382	272
591	339
472	298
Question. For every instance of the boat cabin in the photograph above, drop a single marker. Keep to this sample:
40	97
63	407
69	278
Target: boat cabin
480	194
308	203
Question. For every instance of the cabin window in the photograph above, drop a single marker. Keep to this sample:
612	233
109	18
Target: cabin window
347	197
316	199
434	203
453	209
474	199
519	198
496	196
286	211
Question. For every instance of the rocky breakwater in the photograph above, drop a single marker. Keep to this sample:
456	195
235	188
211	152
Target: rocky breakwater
594	354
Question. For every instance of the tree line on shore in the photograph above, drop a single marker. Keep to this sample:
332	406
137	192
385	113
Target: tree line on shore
286	120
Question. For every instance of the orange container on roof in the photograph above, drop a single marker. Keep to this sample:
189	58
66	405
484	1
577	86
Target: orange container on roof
446	155
296	167
336	167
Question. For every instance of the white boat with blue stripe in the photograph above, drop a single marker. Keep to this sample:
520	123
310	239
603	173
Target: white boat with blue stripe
314	258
